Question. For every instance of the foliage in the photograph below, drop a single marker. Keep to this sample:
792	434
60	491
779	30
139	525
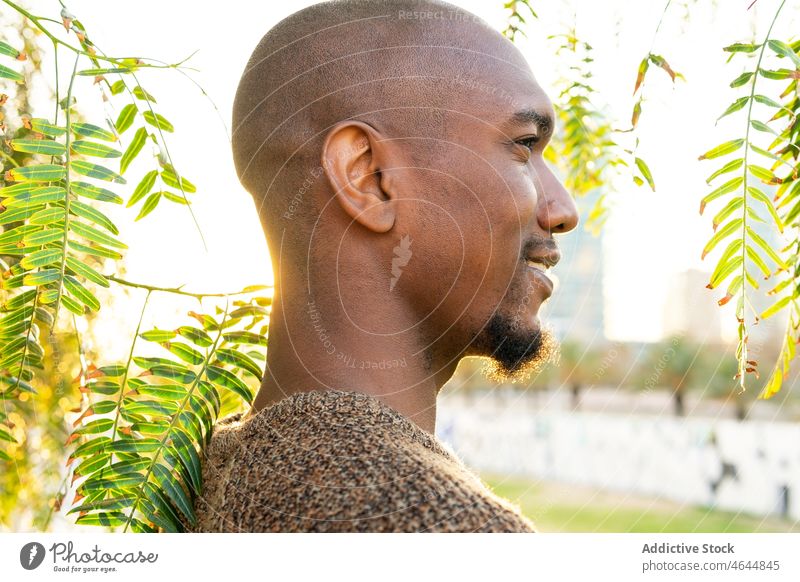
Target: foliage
744	193
134	444
516	19
586	148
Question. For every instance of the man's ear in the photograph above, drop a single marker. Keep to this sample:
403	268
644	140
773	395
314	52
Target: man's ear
352	157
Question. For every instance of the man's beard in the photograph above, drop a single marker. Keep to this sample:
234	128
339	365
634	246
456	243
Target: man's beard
514	353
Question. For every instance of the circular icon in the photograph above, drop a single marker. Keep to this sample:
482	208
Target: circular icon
31	555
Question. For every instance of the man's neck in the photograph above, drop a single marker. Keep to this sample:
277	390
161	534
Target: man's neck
312	347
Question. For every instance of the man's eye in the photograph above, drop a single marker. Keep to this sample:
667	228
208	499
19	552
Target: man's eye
528	142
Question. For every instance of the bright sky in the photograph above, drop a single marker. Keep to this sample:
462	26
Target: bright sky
649	237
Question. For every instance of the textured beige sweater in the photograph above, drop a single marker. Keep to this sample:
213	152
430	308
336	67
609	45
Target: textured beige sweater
335	461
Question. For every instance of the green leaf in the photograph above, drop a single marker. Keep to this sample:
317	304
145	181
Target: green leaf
778	75
173	372
95	235
93	192
248	311
188	456
732	205
140	93
18	301
118	87
645	170
73	305
157	120
103	71
229	380
741	80
766	248
105	504
762	173
93	148
166	391
38	195
761	126
783	49
174	491
44	127
176	198
42	277
158	335
162	504
17	189
95	426
239	360
759	262
42	258
145	445
48	215
93	131
721	234
7	73
150	428
767	101
83	270
739	47
725	270
94	250
92	447
16	215
89	466
245	337
38	146
184	352
91	213
133	149
776	307
761	197
37	173
149	205
96	171
112	371
144	187
171	179
722	149
110	519
126	117
726	188
196	336
81	293
735	106
9	51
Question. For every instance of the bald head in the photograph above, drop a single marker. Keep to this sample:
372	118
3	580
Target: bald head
394	152
393	65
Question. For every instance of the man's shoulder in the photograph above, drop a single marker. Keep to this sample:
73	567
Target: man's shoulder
311	471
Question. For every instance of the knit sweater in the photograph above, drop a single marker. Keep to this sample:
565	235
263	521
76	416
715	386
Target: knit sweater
332	461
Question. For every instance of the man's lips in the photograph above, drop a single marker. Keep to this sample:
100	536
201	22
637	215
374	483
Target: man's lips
540	263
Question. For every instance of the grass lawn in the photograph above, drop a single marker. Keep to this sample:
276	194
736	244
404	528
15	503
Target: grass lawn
555	507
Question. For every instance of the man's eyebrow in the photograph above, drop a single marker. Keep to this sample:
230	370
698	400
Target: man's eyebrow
525	117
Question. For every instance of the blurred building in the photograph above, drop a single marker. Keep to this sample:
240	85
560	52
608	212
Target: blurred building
575	310
691	310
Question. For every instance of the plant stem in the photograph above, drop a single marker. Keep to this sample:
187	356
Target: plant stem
128	367
743	339
67	162
174	290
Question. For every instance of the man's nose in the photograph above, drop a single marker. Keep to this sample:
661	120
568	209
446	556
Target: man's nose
556	211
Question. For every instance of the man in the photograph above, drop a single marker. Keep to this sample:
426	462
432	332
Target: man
394	152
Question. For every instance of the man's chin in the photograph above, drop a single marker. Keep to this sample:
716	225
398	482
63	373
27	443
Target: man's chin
515	353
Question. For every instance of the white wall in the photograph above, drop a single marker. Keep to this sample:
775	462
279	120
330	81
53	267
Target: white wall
660	456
